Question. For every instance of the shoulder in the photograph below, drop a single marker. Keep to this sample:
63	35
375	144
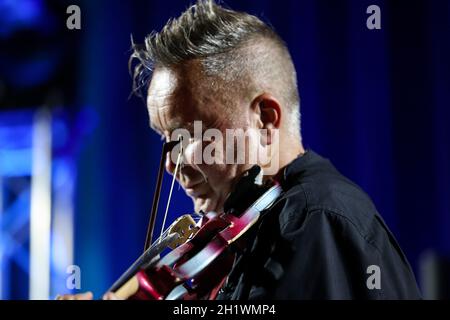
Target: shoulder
326	217
319	189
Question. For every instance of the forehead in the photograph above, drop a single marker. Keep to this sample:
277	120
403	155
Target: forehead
167	98
163	90
175	99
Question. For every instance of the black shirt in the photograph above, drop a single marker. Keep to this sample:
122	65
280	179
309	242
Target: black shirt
323	239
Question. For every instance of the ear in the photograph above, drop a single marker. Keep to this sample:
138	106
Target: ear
267	111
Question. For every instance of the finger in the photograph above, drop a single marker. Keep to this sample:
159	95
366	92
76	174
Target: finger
85	296
64	297
110	296
81	296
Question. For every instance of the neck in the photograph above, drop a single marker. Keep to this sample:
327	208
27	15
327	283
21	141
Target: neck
288	152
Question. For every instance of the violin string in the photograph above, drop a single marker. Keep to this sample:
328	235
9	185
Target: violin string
194	216
170	192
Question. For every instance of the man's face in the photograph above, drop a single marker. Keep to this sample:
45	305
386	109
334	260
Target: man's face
175	100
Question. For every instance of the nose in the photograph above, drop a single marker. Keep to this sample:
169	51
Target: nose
172	157
173	148
187	157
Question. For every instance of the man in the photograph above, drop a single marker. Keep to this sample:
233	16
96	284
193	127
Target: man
324	238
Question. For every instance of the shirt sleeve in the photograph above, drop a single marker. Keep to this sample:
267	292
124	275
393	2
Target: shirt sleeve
333	259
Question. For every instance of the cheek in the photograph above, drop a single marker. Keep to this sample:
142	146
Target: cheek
193	152
218	174
202	153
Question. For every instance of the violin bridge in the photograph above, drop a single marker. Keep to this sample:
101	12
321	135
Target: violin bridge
185	227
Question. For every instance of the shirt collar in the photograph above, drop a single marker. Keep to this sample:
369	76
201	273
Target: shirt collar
294	170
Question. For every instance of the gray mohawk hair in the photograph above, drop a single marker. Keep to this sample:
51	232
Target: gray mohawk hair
203	30
218	37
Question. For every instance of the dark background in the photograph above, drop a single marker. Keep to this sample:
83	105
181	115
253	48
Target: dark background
375	102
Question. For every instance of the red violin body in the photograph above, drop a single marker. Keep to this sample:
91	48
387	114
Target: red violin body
197	267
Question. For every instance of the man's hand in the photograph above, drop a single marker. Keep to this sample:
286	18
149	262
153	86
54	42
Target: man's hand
110	296
81	296
86	296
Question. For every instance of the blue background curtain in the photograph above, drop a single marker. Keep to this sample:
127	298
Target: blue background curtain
375	102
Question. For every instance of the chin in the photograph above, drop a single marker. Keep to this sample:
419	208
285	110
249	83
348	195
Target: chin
205	205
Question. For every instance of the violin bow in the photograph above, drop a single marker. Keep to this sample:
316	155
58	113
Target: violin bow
167	147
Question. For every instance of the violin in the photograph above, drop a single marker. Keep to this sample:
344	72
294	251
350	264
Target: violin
202	254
